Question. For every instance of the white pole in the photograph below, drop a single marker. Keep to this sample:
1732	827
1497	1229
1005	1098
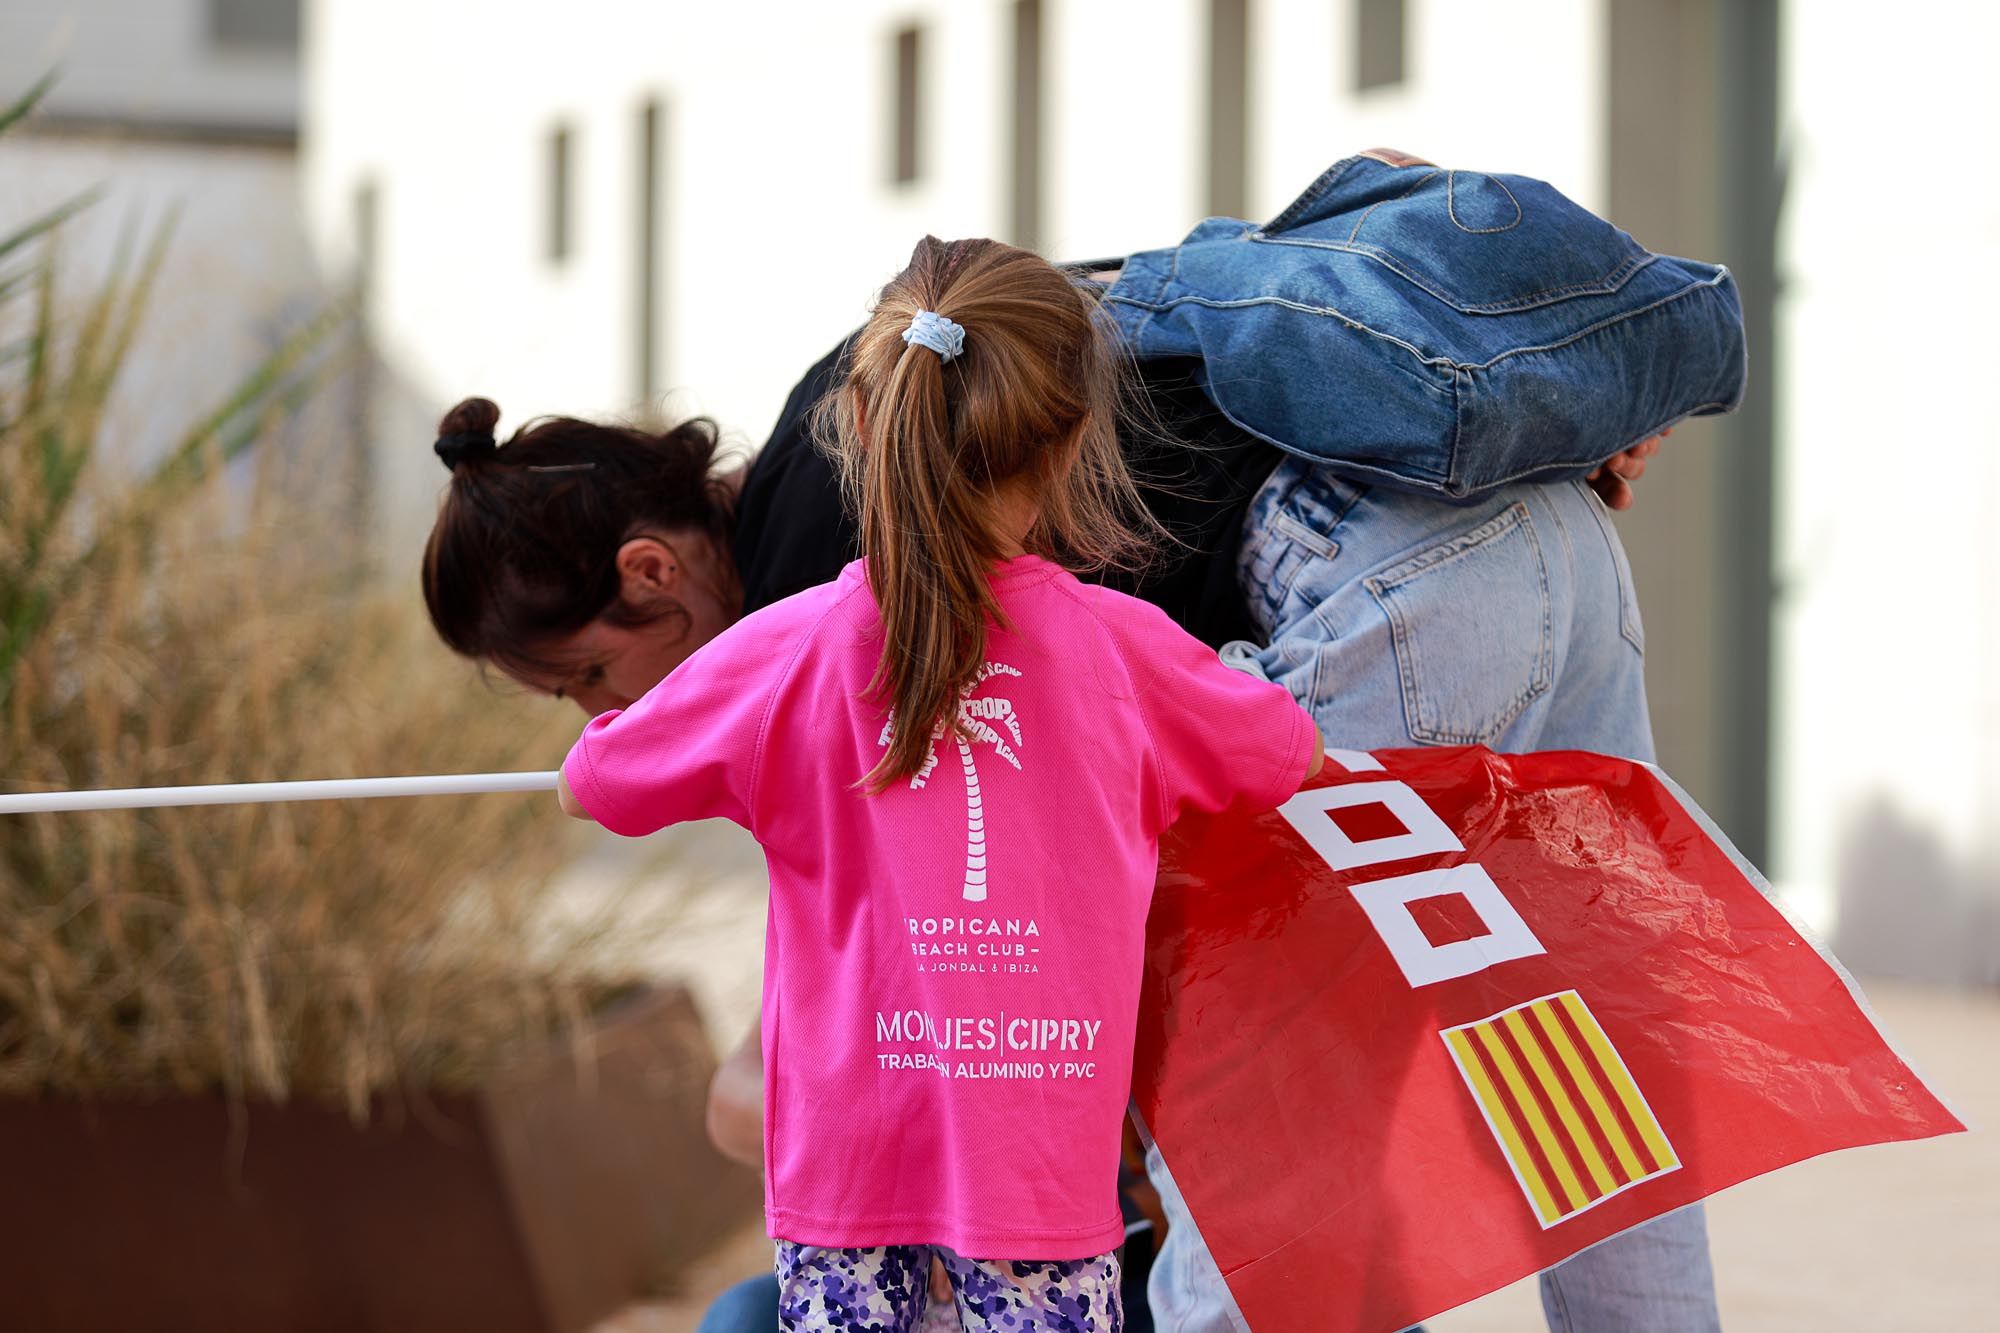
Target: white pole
248	793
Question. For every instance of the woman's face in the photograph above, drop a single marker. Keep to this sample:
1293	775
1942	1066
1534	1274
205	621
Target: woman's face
607	666
615	664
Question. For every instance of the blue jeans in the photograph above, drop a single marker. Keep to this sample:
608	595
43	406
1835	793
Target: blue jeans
751	1306
1441	331
1398	621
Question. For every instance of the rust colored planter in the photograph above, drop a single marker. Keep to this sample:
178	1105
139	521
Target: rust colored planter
539	1204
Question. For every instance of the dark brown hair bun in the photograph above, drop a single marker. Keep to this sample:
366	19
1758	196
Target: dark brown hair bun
466	432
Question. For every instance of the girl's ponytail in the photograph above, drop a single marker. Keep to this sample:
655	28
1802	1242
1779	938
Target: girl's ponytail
932	445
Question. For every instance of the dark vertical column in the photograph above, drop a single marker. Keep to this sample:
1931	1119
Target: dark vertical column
1228	107
560	191
1747	75
1692	141
647	347
367	221
1025	177
1379	43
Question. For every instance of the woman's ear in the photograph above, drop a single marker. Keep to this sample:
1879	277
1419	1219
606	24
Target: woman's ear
648	569
858	407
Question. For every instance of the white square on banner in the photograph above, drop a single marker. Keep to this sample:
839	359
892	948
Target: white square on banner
1425	834
1387	903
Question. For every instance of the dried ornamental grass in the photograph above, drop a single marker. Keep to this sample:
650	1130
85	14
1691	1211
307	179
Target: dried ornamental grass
327	948
195	624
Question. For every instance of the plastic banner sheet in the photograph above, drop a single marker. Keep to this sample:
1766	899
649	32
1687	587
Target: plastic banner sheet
1448	1017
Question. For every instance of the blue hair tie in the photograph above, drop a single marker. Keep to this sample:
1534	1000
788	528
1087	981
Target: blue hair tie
932	330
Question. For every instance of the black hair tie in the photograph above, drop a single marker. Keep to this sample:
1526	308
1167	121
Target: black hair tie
462	445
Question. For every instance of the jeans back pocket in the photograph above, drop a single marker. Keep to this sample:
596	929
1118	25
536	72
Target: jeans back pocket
1471	623
1629	623
1293	521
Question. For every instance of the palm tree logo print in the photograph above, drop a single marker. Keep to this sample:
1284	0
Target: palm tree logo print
975	718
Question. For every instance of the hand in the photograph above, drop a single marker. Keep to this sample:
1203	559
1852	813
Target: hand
1612	480
567	798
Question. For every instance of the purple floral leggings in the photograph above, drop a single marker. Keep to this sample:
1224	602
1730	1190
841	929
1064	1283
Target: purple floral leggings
885	1290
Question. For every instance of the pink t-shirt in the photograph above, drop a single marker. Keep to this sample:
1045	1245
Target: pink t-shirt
951	967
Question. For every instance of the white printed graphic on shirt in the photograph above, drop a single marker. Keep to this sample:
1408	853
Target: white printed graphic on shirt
973	720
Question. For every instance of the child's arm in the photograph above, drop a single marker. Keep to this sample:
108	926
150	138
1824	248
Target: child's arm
688	748
567	798
1222	731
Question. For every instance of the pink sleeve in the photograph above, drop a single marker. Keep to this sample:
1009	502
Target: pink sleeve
690	748
1223	737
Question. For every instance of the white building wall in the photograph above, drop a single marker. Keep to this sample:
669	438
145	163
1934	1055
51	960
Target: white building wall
778	218
1888	693
1126	99
1515	87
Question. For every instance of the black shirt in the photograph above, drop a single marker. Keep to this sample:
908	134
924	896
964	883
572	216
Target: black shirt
792	531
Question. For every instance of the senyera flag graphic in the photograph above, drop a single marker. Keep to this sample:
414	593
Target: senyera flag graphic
1448	1017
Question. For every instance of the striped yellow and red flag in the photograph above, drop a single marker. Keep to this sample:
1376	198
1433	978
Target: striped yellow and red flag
1573	1125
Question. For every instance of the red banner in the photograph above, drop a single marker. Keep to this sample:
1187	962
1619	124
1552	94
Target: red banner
1449	1017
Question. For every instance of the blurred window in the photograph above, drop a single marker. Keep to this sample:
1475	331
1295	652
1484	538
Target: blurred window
1228	107
1378	44
903	150
262	25
647	352
1027	183
559	194
367	243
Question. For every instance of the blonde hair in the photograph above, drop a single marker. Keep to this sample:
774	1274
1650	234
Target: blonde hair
925	446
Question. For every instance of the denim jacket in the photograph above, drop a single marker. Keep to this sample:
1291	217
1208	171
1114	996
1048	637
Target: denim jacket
1442	331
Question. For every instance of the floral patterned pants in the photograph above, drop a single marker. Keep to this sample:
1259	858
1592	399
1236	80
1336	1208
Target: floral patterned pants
885	1290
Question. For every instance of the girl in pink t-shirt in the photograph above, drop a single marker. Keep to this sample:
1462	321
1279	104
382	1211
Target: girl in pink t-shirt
959	760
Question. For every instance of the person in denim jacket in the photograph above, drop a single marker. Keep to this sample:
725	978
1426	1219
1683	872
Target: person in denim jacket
1410	335
1512	623
1444	332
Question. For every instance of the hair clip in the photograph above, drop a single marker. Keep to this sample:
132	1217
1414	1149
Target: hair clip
563	467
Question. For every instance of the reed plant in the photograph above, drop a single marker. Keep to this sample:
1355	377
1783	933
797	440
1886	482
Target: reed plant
203	620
